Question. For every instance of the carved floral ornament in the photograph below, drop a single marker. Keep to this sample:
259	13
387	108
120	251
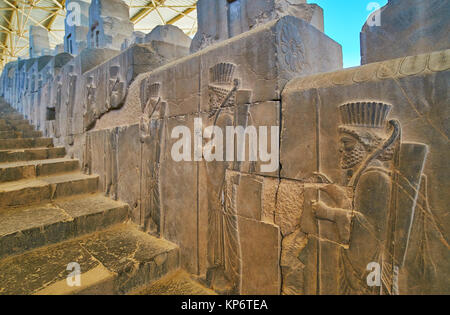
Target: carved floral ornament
293	49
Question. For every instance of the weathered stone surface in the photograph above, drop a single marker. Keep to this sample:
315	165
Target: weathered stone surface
11	144
169	34
106	86
24	170
39	42
122	257
178	192
135	257
45	189
359	155
129	169
260	248
407	28
31	154
222	20
310	114
175	283
263	69
109	24
31	227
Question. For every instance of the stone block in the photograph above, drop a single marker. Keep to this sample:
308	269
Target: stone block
223	20
260	245
129	169
262	70
312	127
109	24
169	34
406	28
179	186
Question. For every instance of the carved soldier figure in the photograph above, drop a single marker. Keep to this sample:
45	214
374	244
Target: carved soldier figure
116	88
372	217
90	114
70	102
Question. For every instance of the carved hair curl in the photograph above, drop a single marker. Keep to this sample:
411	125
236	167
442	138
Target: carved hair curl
371	141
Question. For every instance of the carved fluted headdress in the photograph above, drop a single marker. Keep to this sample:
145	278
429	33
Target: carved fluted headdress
222	73
365	114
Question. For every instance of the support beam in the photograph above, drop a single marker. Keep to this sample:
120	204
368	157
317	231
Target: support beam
181	15
146	11
62	5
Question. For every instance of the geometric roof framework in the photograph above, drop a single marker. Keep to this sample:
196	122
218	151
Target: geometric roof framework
16	16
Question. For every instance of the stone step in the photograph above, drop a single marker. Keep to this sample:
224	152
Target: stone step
27	228
31	154
25	126
11	116
178	282
17	122
45	189
32	169
17	127
11	134
115	261
30	134
26	143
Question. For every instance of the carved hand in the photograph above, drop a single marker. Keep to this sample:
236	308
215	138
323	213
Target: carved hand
338	195
342	218
322	211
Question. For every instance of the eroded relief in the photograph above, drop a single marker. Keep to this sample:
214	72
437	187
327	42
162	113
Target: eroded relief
356	201
70	102
367	222
57	104
151	128
293	49
116	88
222	87
90	114
223	249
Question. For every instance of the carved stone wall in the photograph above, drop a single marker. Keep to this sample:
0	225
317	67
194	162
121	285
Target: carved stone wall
109	24
180	201
362	178
413	168
223	19
405	28
39	42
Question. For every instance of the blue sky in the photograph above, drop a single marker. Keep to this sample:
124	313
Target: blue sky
343	23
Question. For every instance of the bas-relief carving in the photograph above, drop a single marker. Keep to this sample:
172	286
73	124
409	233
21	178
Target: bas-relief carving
222	88
152	126
90	113
293	49
70	102
223	245
116	88
95	106
382	200
370	218
57	105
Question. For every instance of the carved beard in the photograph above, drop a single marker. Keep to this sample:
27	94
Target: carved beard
352	158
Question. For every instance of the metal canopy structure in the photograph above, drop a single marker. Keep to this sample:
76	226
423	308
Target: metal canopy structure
16	16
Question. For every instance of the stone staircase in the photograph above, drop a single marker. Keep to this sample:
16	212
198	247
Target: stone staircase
51	216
